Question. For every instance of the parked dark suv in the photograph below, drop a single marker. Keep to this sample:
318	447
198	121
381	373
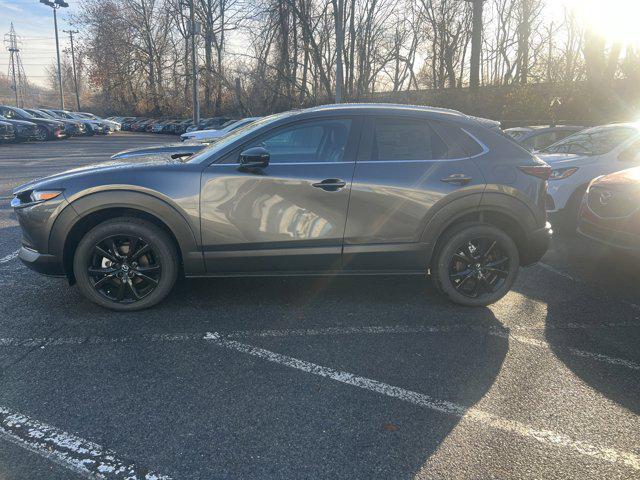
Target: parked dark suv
339	190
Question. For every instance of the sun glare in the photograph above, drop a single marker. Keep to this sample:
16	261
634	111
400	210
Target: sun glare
616	20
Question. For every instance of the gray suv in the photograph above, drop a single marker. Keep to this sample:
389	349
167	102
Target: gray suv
333	190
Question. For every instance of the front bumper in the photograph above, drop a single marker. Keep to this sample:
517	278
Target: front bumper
41	263
620	241
537	245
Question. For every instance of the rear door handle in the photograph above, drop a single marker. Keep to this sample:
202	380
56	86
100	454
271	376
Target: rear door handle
330	184
459	178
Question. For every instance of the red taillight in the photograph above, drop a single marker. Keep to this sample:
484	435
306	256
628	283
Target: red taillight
540	171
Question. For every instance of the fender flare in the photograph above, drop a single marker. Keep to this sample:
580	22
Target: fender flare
81	207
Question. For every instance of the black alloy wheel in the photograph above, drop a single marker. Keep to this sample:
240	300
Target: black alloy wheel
479	266
475	264
41	134
124	269
126	264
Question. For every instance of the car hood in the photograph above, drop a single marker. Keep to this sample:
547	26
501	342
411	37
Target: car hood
46	121
160	150
563	160
628	180
57	180
18	122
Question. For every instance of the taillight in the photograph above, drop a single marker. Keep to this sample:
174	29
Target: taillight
540	171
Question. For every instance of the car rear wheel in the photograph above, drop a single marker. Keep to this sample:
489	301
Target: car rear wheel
41	134
126	264
475	264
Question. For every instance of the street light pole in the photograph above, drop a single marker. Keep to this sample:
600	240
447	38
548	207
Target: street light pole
73	63
338	6
194	65
55	5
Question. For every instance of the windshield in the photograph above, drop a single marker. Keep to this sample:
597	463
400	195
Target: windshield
597	141
37	114
22	112
235	135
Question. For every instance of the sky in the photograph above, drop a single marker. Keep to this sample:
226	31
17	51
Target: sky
33	23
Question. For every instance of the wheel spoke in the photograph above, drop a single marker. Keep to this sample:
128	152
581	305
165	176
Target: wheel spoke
133	245
463	281
134	290
498	272
463	258
148	268
497	263
485	255
103	280
146	278
95	271
463	273
103	253
114	248
120	293
142	250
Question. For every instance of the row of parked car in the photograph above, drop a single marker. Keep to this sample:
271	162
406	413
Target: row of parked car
594	185
173	126
41	124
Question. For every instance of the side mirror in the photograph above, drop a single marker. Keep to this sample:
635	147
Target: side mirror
255	157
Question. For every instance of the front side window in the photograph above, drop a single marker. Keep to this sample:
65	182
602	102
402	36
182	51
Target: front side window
8	113
313	141
593	142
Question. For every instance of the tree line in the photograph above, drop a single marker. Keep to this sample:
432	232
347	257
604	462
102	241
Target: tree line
261	56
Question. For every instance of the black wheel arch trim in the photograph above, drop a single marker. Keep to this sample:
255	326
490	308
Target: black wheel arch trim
477	204
81	207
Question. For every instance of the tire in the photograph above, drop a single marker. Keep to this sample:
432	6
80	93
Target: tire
42	134
568	216
100	277
457	279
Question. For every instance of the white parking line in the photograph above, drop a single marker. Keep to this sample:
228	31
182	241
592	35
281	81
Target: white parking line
8	258
84	457
547	437
365	330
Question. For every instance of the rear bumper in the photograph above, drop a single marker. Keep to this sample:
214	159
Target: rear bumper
41	263
537	245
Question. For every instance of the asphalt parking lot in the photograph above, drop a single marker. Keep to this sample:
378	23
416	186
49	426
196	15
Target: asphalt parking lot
316	378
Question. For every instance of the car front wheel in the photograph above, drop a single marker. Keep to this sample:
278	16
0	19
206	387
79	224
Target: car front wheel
475	264
126	264
42	134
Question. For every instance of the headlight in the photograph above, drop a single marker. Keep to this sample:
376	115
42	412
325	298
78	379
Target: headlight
562	173
44	195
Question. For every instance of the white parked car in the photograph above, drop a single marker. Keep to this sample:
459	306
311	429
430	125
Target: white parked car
111	125
213	134
580	158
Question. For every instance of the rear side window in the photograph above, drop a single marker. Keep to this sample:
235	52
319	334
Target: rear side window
402	139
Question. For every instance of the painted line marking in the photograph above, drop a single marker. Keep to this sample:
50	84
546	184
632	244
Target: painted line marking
8	258
580	281
547	437
366	330
67	450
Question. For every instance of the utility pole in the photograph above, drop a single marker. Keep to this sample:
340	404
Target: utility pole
338	7
73	63
55	5
16	69
194	65
476	44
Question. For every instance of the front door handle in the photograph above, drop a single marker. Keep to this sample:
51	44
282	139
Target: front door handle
459	178
330	184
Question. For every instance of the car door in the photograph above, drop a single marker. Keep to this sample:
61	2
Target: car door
288	216
406	166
